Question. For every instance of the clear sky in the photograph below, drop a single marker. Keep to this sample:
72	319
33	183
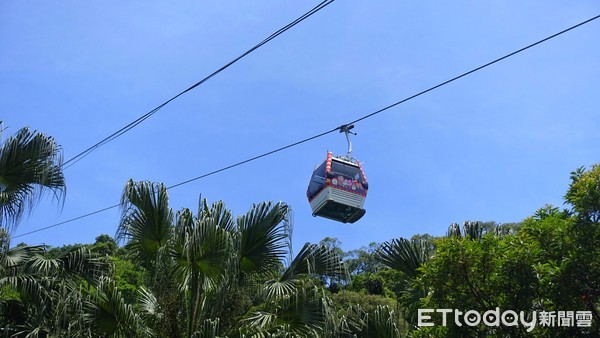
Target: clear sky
494	146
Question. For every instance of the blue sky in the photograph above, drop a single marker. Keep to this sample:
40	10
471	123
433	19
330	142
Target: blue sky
494	146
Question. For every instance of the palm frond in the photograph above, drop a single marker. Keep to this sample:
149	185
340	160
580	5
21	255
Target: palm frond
11	258
146	219
382	322
79	262
201	250
54	308
218	213
149	305
209	328
411	300
453	231
113	317
84	263
314	259
276	289
200	245
260	321
30	165
302	314
70	313
472	229
403	255
31	287
264	241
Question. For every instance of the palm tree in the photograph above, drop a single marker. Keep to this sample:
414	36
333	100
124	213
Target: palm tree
294	302
30	165
213	273
66	296
470	229
406	256
381	322
69	295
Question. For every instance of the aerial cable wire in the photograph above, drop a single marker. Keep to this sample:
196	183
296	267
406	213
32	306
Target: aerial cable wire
142	118
473	70
185	182
334	129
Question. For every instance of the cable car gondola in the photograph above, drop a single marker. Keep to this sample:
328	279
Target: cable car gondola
338	187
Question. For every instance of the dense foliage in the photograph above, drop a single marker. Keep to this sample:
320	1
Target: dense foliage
209	273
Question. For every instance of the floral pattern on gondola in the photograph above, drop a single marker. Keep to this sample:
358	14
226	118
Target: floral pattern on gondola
347	184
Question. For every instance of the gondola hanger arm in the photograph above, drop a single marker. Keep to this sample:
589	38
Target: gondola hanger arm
346	129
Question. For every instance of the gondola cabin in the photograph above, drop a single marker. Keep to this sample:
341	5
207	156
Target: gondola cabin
337	189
